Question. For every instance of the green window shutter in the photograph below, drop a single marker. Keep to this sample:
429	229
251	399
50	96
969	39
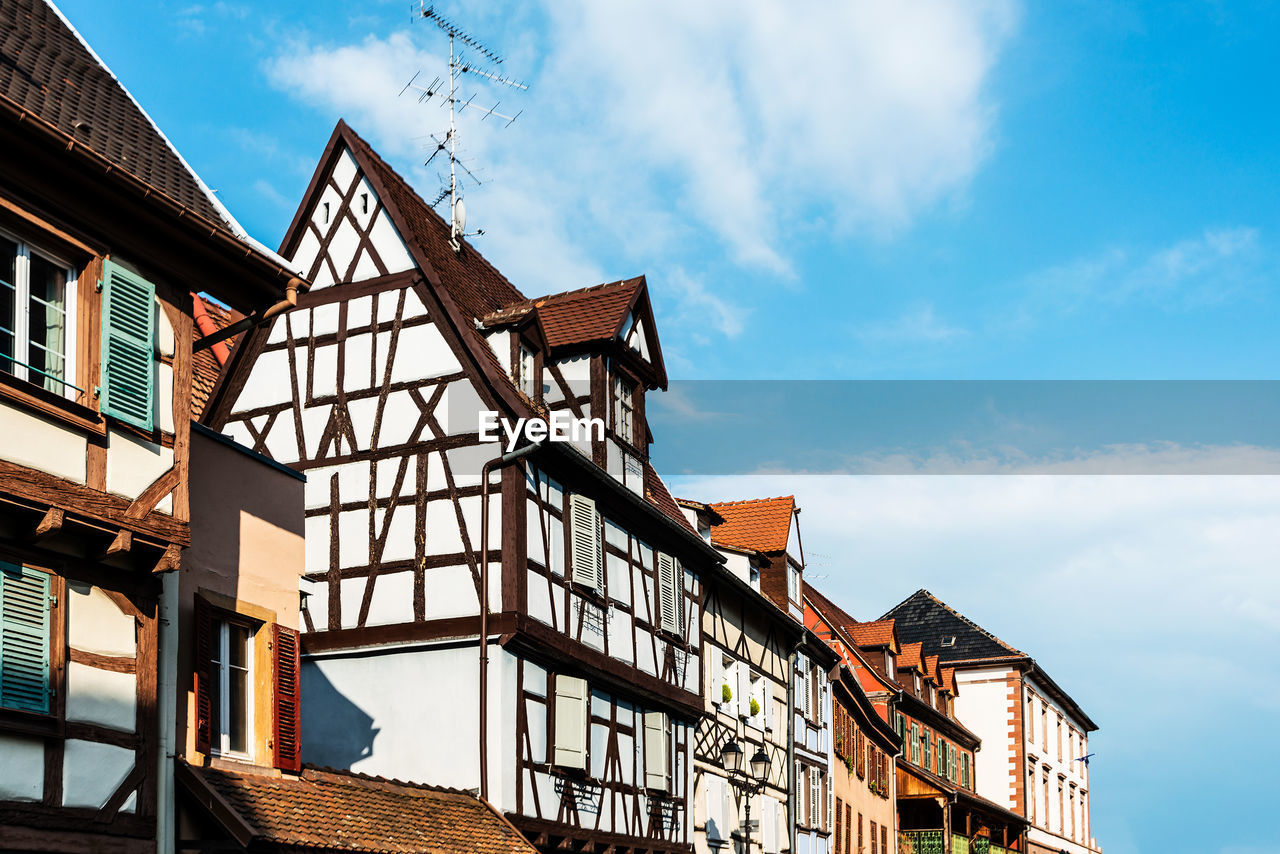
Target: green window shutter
24	639
128	346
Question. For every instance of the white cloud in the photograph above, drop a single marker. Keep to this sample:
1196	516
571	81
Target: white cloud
914	327
650	127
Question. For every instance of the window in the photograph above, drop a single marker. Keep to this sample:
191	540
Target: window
37	317
756	700
571	722
25	604
884	838
915	683
586	549
793	583
128	346
860	846
873	838
927	737
848	828
839	825
1058	733
525	371
624	410
231	687
915	743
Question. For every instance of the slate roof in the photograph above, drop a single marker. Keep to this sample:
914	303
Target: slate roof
575	318
323	810
207	363
924	618
762	524
48	70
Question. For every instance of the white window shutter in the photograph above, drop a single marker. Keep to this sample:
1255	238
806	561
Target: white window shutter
656	751
815	797
571	722
744	689
584	534
667	615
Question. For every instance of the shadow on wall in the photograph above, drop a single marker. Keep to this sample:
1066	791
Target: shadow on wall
335	731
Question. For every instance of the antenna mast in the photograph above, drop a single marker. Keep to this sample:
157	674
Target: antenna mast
459	65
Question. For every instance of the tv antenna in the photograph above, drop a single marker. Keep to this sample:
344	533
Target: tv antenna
446	91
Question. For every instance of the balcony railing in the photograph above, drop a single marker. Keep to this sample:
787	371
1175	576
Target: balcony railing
921	842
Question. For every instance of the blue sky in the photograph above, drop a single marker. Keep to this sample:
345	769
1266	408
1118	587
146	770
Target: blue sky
977	190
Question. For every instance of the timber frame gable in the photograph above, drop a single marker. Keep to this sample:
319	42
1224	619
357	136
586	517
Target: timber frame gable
372	386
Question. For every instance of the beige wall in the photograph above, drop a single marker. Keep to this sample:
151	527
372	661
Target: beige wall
246	555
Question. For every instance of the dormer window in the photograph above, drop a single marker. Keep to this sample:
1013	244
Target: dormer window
37	317
916	683
624	410
524	372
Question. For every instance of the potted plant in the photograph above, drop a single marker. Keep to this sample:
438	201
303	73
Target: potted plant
726	693
755	707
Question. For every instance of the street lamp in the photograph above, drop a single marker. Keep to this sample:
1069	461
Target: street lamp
747	784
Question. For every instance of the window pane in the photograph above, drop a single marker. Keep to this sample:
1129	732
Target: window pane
237	646
215	702
8	299
238	725
47	318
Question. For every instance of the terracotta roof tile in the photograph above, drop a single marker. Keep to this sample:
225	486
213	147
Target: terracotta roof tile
658	494
576	317
207	363
49	71
763	524
877	633
342	811
947	679
931	667
910	656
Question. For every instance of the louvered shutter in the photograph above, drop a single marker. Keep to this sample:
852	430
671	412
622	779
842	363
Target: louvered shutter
288	722
571	722
656	774
128	346
24	639
667	607
815	797
200	670
584	533
839	825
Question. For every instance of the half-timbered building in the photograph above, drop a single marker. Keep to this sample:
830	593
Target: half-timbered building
525	626
1035	748
104	233
769	528
748	643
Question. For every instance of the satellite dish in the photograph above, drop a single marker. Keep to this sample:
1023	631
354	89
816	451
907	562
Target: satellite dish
459	216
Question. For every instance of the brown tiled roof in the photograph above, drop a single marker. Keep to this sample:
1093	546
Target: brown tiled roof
325	810
931	667
658	494
576	317
763	524
207	363
909	656
877	633
47	70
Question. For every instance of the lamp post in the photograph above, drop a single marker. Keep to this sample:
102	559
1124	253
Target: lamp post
745	782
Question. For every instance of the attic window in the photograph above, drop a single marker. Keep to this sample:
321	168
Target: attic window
624	409
951	641
524	371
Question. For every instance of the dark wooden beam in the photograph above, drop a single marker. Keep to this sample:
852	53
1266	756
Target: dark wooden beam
50	524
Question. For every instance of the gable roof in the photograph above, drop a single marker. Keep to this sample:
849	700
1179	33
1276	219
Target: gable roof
875	633
49	71
924	618
576	317
909	656
336	811
762	524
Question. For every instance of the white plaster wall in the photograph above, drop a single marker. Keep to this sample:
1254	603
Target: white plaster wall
133	465
102	697
21	768
983	707
91	772
43	445
383	713
96	624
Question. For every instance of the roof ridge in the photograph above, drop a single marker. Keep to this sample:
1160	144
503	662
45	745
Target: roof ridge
376	778
791	498
977	627
633	281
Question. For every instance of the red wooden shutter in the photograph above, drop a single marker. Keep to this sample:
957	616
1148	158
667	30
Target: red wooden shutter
287	724
200	670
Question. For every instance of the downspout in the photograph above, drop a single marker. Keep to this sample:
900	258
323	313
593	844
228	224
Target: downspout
485	470
213	336
167	703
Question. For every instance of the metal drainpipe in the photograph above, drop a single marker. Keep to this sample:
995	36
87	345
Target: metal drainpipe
485	470
166	808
